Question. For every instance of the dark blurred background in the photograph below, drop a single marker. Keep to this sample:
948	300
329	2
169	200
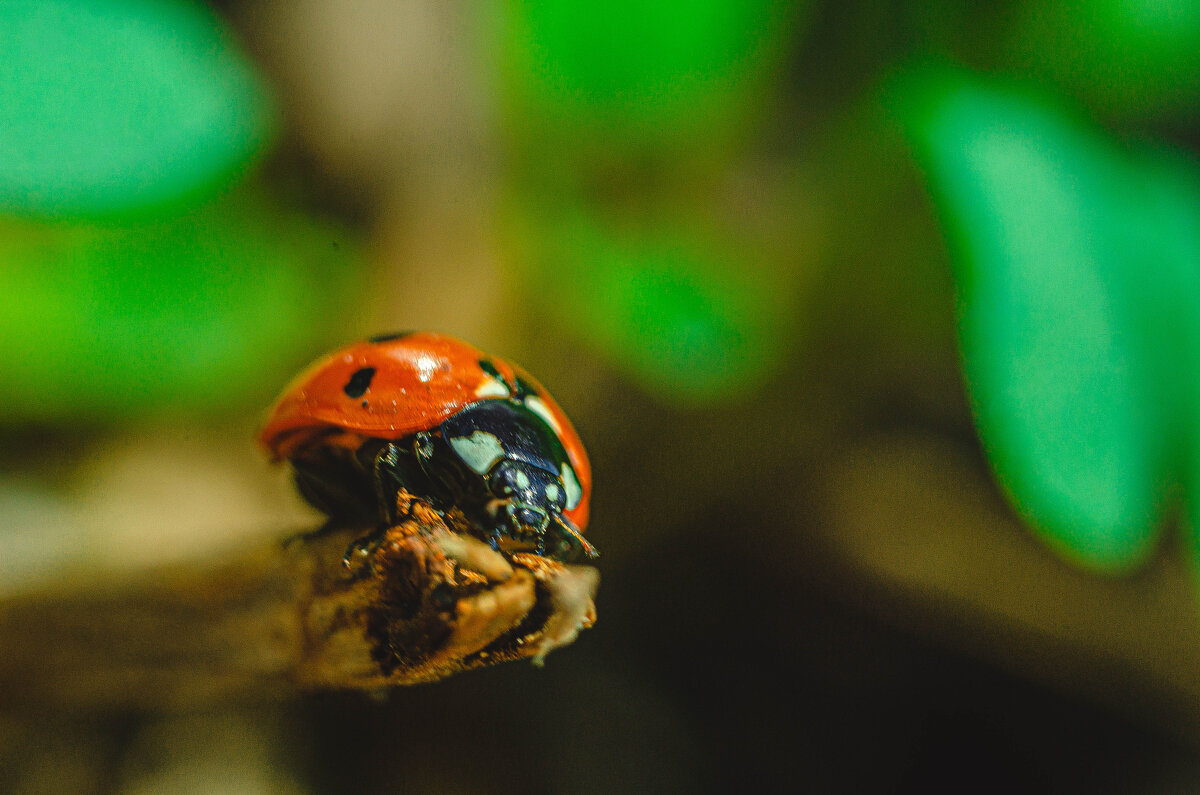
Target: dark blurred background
750	246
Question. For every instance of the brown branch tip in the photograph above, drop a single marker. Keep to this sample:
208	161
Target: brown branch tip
432	600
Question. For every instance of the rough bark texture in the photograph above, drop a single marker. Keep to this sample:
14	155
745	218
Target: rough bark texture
427	602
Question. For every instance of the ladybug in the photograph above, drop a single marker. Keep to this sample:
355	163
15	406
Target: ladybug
444	421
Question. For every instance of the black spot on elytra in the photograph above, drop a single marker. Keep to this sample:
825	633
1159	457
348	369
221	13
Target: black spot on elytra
489	368
389	337
525	388
360	382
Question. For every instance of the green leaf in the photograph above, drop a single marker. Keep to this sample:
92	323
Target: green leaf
1123	57
200	312
693	314
118	106
655	70
1078	271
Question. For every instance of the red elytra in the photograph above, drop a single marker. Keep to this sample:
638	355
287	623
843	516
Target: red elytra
420	379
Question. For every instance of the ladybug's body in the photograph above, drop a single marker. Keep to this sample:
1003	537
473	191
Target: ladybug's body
445	422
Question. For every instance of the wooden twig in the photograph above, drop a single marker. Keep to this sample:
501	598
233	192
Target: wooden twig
428	602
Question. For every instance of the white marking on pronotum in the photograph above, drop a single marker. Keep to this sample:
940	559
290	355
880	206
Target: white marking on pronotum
535	404
574	491
491	388
551	492
479	450
522	480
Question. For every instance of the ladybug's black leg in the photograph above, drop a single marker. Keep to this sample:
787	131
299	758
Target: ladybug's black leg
441	484
422	448
386	471
403	465
392	468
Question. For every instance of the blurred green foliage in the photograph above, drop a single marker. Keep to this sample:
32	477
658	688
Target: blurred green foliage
1078	270
117	106
650	73
692	311
148	276
200	312
1126	58
613	112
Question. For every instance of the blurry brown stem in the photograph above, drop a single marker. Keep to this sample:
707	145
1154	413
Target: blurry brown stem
426	603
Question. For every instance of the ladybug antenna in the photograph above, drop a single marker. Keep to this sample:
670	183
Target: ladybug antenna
573	535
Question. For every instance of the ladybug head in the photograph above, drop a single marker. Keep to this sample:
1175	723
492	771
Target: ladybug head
526	473
530	502
531	496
